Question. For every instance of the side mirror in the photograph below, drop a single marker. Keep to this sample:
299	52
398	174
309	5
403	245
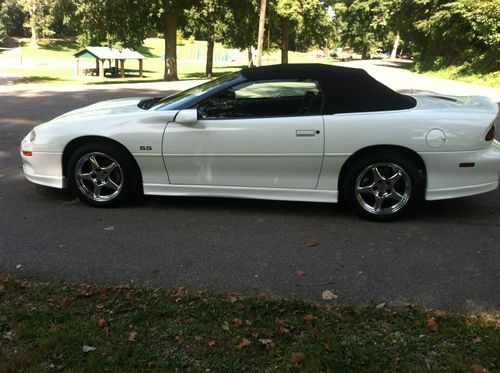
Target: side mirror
187	117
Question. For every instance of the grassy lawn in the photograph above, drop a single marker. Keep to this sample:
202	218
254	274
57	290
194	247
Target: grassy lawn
53	62
454	73
78	327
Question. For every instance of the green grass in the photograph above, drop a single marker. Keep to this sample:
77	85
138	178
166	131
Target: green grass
44	325
456	73
53	62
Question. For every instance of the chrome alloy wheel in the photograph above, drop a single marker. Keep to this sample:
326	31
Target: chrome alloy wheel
383	188
98	176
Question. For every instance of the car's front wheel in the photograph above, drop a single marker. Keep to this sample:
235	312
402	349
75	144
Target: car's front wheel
102	175
382	187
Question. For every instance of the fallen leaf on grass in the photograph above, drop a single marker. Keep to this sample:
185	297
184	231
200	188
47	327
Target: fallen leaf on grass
180	292
298	357
237	323
432	324
267	343
88	348
380	306
87	293
477	340
225	326
440	314
478	368
310	318
99	306
133	336
243	343
104	296
211	343
10	335
328	295
311	243
54	328
102	323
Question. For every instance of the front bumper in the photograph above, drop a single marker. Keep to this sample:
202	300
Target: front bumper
44	168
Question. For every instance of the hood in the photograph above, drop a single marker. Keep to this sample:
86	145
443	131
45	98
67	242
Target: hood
109	107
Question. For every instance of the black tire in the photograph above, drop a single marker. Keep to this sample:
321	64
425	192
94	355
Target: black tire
113	184
385	193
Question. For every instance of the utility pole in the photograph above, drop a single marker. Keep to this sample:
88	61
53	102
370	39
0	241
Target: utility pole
262	21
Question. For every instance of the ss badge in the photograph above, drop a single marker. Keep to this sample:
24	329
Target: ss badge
145	147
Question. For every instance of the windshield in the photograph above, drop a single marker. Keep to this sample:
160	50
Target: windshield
177	100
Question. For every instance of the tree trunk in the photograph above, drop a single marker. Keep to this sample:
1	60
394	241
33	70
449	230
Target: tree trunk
250	56
395	46
262	21
210	47
32	13
365	55
170	47
284	40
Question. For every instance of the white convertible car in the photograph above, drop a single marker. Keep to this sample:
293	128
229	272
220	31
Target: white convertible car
304	132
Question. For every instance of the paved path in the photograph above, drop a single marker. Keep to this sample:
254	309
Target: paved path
445	255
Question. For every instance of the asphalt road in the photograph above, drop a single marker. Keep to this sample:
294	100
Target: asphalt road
446	255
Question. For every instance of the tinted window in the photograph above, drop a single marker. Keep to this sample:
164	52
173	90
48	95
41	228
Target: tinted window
264	99
177	100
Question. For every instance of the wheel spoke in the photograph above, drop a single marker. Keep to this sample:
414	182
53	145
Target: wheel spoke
94	164
97	190
366	189
394	178
110	168
377	175
112	185
378	203
86	176
395	195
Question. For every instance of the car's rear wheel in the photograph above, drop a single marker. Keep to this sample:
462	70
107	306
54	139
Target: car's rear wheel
102	175
382	187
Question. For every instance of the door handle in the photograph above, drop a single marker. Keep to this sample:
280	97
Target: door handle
304	133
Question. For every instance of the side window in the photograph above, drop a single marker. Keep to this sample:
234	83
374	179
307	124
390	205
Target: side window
271	98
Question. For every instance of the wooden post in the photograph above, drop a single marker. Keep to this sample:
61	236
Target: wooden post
140	68
101	68
122	68
96	66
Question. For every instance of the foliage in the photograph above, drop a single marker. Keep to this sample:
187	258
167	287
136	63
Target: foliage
62	326
117	23
365	24
12	16
463	33
40	17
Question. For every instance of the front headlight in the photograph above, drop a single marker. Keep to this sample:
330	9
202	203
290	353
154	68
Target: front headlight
32	136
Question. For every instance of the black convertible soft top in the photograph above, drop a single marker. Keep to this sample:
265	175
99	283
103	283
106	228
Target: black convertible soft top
347	89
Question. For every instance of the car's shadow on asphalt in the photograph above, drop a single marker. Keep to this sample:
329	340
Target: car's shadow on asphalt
469	208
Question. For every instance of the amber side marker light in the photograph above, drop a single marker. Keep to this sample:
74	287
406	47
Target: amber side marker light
27	154
467	164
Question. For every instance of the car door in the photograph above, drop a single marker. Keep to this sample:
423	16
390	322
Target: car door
255	134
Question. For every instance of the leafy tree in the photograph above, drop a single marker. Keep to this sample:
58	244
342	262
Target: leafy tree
39	19
12	16
240	26
365	23
451	32
202	20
